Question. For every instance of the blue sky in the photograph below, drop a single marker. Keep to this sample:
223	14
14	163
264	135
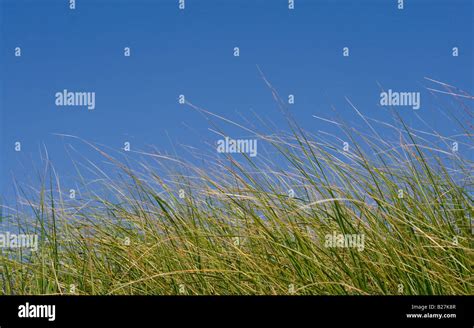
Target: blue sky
190	52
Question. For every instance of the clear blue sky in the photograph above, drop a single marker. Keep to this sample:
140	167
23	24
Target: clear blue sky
190	52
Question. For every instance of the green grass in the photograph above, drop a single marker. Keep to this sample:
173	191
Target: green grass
237	231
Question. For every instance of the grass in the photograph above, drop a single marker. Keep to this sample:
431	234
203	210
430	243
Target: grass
238	229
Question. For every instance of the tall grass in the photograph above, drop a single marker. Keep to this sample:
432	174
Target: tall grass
238	229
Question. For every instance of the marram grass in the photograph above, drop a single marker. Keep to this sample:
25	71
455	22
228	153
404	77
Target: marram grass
240	225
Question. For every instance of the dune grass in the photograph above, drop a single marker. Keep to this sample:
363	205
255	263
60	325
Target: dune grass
241	225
